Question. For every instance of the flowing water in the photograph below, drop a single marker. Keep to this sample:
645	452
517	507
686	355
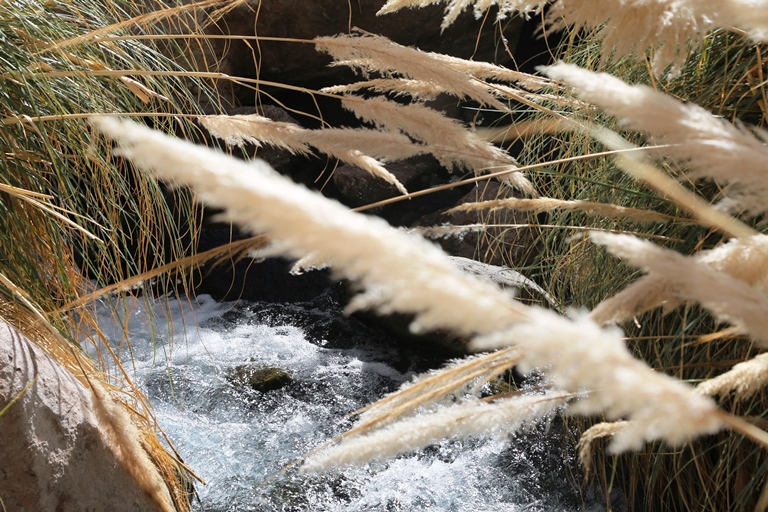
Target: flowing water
240	441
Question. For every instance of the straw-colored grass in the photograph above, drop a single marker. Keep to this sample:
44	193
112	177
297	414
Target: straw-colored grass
73	218
655	196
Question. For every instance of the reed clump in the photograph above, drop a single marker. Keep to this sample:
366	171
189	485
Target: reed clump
698	242
74	219
675	188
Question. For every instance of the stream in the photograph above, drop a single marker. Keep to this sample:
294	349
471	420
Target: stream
240	440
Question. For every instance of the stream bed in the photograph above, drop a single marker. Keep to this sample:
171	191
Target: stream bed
242	441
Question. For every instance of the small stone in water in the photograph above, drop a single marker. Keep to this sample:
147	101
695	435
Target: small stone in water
259	378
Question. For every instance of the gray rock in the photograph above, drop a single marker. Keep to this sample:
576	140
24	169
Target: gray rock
259	378
53	453
359	187
505	278
510	241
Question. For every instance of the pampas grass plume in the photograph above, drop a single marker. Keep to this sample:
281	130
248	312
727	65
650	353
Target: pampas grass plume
437	386
745	259
401	272
377	54
463	420
710	146
356	147
626	26
729	299
579	355
744	379
449	142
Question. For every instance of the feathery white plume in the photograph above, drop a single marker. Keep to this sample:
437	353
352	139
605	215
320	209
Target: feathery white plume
710	146
377	54
577	355
463	420
745	259
401	272
356	147
669	27
744	379
685	278
748	15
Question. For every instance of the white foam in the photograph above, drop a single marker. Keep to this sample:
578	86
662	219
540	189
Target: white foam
237	440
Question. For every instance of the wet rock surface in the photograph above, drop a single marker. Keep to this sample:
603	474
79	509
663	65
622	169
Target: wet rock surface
258	378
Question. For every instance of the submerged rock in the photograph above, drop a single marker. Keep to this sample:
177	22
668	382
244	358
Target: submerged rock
54	453
259	378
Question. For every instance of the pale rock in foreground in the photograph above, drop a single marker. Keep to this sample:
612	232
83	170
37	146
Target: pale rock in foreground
53	452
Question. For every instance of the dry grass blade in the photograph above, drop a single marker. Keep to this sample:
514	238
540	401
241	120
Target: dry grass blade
399	86
234	250
589	436
463	420
40	201
638	168
149	18
125	441
744	379
546	204
728	298
710	146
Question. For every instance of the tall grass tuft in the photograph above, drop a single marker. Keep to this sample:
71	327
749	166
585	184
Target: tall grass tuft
72	217
677	193
688	451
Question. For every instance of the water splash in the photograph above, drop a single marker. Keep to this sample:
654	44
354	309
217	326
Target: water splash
240	440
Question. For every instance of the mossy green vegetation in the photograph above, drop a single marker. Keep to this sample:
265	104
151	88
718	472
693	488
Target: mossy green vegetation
258	378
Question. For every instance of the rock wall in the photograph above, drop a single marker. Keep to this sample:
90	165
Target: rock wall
53	453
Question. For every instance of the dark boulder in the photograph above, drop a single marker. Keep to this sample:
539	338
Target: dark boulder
299	64
510	239
359	187
259	378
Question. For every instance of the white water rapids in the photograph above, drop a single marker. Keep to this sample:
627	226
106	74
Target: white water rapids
239	440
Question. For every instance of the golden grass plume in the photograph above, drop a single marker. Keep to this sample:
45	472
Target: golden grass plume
406	274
